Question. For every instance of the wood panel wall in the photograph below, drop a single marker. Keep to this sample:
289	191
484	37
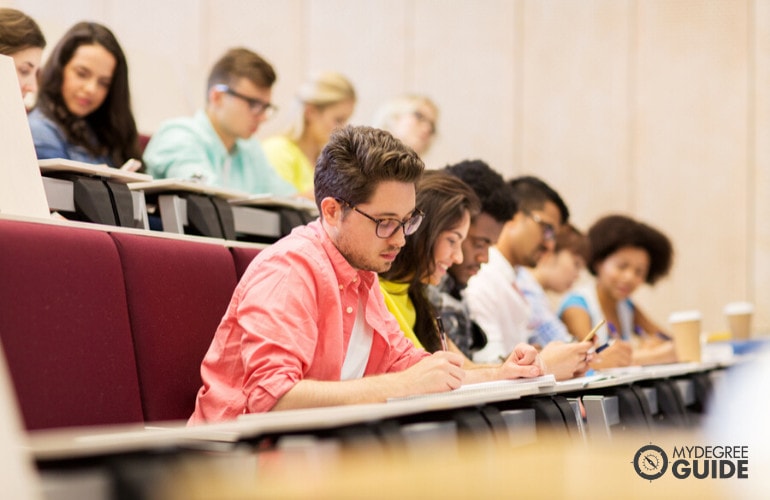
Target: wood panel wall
658	108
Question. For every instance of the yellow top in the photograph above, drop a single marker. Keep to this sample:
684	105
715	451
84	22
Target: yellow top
290	162
400	305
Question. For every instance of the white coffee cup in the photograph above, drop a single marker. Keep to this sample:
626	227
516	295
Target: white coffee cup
686	332
739	319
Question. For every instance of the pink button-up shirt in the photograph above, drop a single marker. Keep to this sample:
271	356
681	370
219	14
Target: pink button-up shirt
290	318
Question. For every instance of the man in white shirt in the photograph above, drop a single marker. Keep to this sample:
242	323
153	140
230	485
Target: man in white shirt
494	300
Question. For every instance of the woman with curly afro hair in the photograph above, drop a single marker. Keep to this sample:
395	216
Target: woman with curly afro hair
624	253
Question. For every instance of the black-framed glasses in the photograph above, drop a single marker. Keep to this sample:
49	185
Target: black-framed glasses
388	227
257	106
549	232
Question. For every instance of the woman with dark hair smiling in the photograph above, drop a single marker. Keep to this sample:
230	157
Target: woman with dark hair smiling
84	107
624	253
447	204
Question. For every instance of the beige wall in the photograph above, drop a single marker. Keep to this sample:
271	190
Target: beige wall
655	108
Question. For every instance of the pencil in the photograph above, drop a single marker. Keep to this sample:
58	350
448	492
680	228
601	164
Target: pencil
442	333
593	332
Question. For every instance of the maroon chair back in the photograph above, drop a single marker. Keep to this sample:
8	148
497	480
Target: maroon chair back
177	293
64	326
242	257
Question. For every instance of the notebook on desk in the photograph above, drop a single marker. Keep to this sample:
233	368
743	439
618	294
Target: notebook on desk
491	388
21	186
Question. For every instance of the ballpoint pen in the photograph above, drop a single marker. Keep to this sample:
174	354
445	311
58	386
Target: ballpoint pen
442	333
604	346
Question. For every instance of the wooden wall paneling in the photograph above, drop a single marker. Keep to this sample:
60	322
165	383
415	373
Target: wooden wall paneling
55	18
575	95
690	150
275	30
163	49
759	269
365	41
463	59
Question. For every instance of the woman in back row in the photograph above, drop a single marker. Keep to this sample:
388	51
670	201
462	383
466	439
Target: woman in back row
411	119
324	102
21	38
84	107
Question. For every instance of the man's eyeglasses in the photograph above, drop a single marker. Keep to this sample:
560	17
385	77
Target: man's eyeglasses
549	232
388	227
257	106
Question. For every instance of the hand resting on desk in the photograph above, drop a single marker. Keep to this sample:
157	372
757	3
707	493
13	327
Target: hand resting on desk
523	362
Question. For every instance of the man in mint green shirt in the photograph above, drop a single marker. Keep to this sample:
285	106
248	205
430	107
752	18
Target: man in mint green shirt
216	145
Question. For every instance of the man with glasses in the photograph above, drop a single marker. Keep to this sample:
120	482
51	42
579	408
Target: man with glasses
307	325
495	301
216	146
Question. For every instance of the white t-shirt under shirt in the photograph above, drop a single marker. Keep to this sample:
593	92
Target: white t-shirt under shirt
359	348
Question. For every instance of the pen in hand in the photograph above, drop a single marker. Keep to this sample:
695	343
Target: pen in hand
442	333
593	332
603	347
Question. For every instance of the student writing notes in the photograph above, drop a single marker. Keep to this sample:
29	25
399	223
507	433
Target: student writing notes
307	324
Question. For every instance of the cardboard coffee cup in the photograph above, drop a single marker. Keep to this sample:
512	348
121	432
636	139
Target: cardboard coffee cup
739	319
685	330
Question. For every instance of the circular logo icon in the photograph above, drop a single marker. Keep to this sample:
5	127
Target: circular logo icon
650	462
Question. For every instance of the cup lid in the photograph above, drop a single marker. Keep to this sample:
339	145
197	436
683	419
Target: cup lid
681	316
739	308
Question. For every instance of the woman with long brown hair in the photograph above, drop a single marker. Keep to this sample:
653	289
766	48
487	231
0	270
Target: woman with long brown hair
84	107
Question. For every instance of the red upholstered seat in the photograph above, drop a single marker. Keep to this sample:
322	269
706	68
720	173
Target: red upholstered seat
242	257
177	293
64	326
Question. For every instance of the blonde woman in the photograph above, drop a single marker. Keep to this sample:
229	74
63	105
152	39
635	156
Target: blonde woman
411	119
325	102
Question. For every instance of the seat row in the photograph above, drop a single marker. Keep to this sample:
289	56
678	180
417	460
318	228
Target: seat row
104	327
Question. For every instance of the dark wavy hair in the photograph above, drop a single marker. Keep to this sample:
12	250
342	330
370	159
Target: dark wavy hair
495	195
18	31
112	123
613	232
444	199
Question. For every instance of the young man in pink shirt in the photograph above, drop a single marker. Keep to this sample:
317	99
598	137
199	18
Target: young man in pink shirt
307	325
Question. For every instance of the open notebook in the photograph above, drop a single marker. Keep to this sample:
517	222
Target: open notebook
495	387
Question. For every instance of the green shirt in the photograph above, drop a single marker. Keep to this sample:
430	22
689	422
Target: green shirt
189	148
